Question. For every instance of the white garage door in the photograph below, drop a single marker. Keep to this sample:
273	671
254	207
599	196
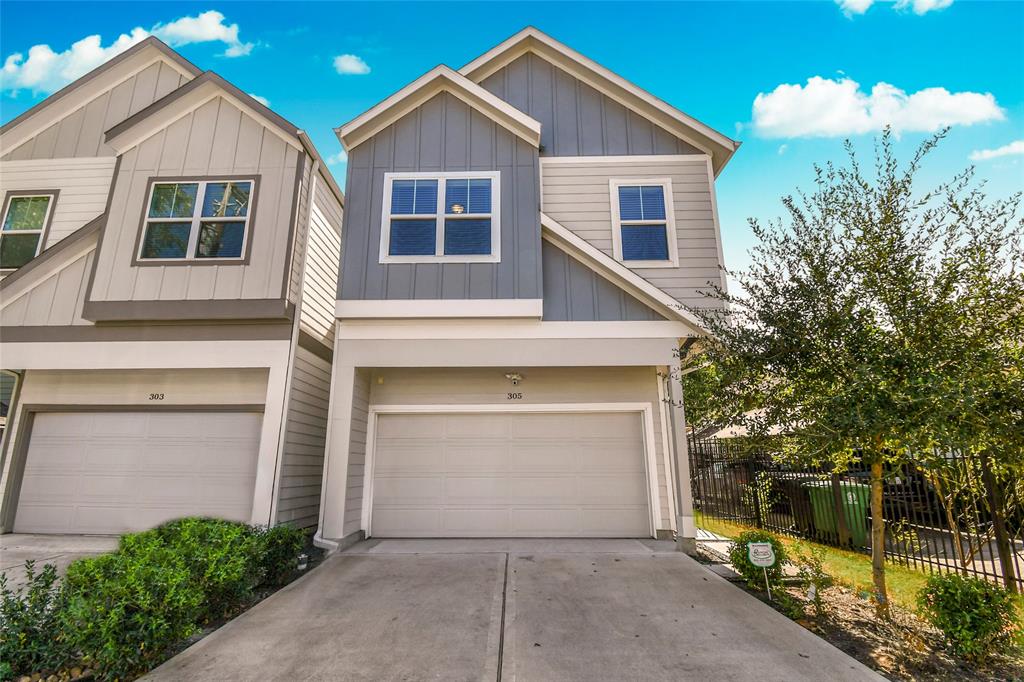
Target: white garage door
510	475
111	472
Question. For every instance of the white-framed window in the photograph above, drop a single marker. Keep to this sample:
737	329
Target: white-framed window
643	223
451	217
197	220
26	216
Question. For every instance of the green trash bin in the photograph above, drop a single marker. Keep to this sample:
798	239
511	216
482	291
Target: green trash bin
856	500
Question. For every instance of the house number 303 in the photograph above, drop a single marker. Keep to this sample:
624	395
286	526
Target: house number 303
156	396
515	396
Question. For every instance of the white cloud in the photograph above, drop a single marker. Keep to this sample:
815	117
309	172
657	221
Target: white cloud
920	7
203	28
46	71
830	108
350	64
1015	148
851	7
262	100
335	159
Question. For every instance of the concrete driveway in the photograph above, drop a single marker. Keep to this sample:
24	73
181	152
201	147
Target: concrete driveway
512	610
60	550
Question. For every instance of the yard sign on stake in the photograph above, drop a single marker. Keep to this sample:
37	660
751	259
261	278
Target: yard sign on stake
762	554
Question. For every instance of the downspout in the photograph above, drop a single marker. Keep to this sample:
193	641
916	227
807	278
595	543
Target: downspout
293	344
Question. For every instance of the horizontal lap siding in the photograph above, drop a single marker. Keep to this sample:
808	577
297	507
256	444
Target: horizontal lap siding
357	452
80	133
215	139
577	195
443	134
83	185
302	463
323	257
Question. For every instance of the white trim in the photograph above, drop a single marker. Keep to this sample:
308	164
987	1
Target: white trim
616	272
415	308
671	235
666	449
597	76
440	217
644	409
441	329
619	160
52	196
197	220
439	79
718	228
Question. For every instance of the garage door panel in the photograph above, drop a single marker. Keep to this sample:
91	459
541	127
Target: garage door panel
112	472
510	474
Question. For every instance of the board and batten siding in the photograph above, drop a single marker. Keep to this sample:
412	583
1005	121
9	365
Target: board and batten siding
80	133
577	195
217	138
357	452
443	134
547	385
82	184
323	256
574	292
56	300
302	462
576	119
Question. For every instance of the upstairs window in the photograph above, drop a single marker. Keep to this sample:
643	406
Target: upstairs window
643	227
448	217
201	220
25	220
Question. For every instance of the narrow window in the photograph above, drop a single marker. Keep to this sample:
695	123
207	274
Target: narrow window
643	223
197	220
440	217
26	217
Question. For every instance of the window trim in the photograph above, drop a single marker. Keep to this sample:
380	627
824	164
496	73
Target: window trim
196	220
671	236
439	217
44	232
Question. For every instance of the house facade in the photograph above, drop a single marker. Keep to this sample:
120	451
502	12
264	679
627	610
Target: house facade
520	242
169	256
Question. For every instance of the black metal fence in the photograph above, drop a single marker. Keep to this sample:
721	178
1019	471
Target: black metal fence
952	518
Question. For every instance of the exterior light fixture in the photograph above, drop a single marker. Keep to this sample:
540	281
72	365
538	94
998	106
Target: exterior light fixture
514	377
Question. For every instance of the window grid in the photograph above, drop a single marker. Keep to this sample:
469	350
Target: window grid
37	232
197	220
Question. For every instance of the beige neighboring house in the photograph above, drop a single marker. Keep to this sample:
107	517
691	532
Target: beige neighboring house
519	240
170	248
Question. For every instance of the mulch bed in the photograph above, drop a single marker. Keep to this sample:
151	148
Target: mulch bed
906	648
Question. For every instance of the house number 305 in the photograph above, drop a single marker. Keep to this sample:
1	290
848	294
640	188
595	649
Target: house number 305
515	396
156	396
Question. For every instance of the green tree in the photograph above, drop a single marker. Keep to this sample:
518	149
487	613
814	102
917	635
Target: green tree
877	323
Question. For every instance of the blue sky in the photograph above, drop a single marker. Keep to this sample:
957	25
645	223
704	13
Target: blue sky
914	63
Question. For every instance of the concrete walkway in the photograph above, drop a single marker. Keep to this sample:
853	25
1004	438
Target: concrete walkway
60	550
512	610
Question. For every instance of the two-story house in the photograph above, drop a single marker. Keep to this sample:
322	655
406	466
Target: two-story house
519	240
169	252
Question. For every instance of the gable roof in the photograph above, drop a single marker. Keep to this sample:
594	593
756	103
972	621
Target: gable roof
530	39
83	236
439	79
617	273
151	47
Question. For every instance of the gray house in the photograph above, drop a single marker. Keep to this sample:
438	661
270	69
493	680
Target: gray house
169	254
519	238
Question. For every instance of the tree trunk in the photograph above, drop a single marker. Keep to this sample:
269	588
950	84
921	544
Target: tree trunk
997	509
878	540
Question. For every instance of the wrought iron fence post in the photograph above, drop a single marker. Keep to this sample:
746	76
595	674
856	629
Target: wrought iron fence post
995	505
755	488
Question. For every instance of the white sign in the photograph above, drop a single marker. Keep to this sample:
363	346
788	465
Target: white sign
761	554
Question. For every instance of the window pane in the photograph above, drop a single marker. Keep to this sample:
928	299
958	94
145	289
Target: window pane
410	197
480	195
467	237
652	198
644	242
412	238
220	239
17	249
456	196
629	203
472	195
26	213
166	240
227	199
173	200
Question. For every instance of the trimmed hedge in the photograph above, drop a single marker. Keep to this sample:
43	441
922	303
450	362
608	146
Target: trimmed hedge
123	613
975	616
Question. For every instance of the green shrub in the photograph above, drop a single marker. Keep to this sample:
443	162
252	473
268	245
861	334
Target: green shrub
811	567
223	557
127	611
280	548
974	615
755	575
31	639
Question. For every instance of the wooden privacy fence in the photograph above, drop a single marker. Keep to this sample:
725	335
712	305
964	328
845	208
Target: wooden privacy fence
958	517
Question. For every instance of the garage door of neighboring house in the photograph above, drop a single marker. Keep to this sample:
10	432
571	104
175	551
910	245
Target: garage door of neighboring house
510	475
112	472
